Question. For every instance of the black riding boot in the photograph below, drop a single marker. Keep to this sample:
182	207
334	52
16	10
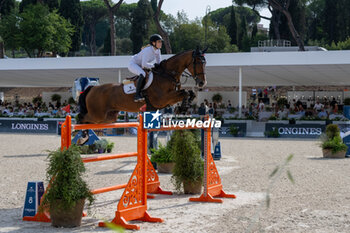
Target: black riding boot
138	97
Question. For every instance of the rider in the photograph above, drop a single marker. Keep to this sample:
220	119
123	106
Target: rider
143	60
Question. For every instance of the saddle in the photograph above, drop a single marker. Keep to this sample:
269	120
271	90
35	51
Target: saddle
129	84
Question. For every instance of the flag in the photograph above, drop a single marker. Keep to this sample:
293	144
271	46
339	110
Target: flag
66	109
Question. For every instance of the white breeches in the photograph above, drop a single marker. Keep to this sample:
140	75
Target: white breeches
136	69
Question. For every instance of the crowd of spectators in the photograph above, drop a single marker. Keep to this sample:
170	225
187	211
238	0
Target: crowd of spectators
257	107
37	109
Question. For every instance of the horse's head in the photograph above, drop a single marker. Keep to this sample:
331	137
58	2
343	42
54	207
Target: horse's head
197	67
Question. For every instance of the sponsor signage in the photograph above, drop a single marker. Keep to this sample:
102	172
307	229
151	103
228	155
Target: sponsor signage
297	130
27	126
154	120
240	130
35	191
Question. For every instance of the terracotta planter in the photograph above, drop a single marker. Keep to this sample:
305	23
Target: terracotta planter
328	154
66	218
193	187
165	167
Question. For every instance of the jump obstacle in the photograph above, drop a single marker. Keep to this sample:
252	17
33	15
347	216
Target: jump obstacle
144	179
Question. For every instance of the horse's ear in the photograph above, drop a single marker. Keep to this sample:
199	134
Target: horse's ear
205	50
197	50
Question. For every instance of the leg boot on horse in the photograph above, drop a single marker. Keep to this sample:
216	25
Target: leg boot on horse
140	82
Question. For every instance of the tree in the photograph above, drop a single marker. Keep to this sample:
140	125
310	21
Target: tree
107	43
34	30
93	11
341	18
161	31
242	32
280	6
9	31
254	31
315	18
232	28
111	12
52	4
40	31
60	31
141	19
6	7
187	36
71	10
25	3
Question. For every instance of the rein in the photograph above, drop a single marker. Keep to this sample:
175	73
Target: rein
172	74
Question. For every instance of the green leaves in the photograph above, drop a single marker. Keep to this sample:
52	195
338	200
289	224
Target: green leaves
65	171
37	30
163	155
188	162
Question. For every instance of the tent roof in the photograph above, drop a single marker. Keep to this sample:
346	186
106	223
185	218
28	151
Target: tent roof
259	69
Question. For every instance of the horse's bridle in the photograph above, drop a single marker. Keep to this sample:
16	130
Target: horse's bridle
196	55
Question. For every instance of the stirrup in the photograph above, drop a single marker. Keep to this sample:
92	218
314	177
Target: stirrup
139	99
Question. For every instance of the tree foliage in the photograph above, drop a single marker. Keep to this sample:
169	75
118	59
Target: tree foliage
93	12
141	20
37	30
71	10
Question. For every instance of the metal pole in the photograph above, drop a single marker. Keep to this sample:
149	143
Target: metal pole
240	94
207	11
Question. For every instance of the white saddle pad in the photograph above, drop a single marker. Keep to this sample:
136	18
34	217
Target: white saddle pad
129	86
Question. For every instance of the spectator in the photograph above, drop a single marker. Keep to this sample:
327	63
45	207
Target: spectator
202	110
322	113
265	93
261	106
335	108
211	109
318	106
333	102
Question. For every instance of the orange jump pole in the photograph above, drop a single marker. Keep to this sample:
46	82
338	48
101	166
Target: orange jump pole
153	183
212	181
108	189
133	203
108	157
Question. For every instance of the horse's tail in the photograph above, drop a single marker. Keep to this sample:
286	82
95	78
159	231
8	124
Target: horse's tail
82	104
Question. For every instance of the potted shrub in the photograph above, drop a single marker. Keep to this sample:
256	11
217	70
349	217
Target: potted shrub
188	171
56	98
281	102
217	98
164	158
234	130
66	195
110	147
101	145
273	133
332	145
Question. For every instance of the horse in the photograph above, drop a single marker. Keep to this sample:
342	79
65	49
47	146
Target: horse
101	104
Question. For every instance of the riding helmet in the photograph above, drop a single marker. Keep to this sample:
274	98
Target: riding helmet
154	38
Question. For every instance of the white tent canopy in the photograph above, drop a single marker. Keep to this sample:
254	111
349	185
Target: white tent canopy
258	69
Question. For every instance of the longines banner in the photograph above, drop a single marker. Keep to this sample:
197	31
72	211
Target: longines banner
296	130
28	126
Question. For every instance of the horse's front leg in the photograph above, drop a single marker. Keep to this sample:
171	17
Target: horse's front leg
185	97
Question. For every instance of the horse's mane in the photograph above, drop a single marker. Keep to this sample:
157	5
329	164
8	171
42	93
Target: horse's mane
178	54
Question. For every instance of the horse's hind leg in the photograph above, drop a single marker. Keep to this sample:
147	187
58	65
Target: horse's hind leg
86	119
112	116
